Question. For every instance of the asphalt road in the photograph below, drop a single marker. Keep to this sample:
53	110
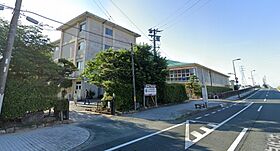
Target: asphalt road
252	124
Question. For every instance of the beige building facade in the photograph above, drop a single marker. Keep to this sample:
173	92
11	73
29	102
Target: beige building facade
82	38
180	72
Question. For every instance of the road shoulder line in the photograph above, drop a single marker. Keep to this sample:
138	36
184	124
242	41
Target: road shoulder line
237	140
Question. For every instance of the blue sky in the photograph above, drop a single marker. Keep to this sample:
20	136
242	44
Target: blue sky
211	33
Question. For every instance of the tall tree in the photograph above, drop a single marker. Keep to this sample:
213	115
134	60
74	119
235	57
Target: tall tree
193	87
111	69
34	79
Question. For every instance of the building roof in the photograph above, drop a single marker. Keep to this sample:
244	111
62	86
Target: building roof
173	63
178	64
86	14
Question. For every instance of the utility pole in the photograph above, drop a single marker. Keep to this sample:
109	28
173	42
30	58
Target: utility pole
5	62
244	82
133	77
252	77
153	34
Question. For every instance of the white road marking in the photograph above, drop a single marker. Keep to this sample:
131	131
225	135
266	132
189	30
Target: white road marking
177	125
205	129
264	100
260	108
237	140
212	125
216	126
219	110
213	112
144	137
198	118
196	134
206	114
187	134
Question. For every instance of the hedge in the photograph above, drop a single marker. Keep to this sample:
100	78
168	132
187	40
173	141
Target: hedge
217	90
174	93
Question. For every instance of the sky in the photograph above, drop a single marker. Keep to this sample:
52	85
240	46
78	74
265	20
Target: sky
208	32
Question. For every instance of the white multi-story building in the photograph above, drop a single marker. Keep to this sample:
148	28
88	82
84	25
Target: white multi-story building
180	72
83	37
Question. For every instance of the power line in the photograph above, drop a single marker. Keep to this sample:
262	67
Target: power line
101	9
176	20
172	14
70	26
178	16
129	19
105	9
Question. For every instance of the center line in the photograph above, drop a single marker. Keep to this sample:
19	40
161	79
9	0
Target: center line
237	140
260	108
213	112
206	115
198	118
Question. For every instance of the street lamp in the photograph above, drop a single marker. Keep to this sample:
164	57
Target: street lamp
236	79
252	77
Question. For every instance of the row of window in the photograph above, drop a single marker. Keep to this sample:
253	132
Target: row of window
108	31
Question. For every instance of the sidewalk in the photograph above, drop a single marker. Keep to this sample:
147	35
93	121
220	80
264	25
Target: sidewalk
233	98
63	137
173	112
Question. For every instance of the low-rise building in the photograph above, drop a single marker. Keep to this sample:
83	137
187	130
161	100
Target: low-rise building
82	38
180	72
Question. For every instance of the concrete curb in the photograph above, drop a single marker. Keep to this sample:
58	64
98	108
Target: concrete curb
199	111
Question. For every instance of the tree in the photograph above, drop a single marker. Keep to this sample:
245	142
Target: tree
278	88
111	69
193	86
34	80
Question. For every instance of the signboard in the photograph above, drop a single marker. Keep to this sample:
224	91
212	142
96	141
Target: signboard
150	90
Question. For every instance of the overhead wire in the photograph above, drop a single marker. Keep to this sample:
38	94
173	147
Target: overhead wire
175	19
172	14
105	10
77	36
129	19
101	9
201	6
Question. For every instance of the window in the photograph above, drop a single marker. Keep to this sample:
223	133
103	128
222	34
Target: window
79	65
107	47
109	32
81	45
78	85
82	27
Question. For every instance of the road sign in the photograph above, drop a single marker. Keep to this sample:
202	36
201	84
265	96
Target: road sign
150	90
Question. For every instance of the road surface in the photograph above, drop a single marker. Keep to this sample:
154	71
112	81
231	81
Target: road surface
252	124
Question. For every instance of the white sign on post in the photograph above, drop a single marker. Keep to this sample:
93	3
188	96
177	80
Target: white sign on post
150	90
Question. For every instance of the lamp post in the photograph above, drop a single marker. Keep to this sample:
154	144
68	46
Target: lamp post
235	77
252	77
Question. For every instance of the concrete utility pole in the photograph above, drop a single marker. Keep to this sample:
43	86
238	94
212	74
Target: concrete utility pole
5	62
133	77
153	34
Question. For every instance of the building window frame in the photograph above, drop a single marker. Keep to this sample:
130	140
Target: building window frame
109	32
107	47
79	65
82	26
81	45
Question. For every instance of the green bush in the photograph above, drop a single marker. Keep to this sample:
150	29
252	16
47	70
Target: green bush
23	97
216	90
174	93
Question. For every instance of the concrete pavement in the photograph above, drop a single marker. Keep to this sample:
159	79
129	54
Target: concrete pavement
173	112
62	137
